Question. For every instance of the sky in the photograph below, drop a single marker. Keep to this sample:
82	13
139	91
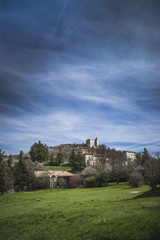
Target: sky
77	69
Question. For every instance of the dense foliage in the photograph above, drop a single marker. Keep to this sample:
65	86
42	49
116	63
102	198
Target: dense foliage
76	161
14	177
23	177
111	166
39	152
135	179
56	160
6	174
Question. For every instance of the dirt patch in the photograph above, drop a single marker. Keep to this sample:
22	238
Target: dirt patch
133	192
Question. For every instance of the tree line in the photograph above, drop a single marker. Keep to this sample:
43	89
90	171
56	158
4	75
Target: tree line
16	176
111	166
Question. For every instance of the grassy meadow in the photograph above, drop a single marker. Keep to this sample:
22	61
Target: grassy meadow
114	212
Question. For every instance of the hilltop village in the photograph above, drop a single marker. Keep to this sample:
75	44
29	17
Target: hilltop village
89	164
90	156
89	151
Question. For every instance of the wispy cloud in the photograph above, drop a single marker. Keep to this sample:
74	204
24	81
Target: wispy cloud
99	78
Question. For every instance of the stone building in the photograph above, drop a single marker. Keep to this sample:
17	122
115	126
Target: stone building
92	143
53	177
130	155
90	159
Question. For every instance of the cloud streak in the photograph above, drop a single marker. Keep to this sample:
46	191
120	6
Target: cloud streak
99	78
58	21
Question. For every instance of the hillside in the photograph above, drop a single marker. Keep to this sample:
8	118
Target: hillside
66	149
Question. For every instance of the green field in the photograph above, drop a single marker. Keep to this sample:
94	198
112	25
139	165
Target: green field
58	168
106	213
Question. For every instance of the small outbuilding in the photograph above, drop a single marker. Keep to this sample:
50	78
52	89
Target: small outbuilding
54	178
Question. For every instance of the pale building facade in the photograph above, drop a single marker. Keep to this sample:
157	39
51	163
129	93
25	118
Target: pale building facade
130	155
90	159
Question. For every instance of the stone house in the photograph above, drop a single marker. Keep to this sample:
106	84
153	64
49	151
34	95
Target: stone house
53	177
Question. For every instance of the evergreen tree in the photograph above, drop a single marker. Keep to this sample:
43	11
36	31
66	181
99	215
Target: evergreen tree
2	173
39	152
59	158
76	161
72	158
145	156
6	176
10	162
23	177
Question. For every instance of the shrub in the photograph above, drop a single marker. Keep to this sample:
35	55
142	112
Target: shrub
62	182
135	179
42	183
74	180
89	171
99	180
102	179
89	182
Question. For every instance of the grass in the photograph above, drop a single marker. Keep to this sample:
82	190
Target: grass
110	213
58	168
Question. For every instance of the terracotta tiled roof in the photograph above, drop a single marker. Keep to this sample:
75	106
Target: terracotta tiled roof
51	173
86	153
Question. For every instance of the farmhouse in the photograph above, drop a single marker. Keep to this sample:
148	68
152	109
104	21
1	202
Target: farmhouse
54	178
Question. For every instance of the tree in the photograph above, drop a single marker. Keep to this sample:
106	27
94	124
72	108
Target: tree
59	158
39	152
76	161
135	179
6	176
117	161
2	173
23	177
102	158
145	156
152	172
10	162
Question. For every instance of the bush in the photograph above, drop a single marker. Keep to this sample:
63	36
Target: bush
102	179
89	182
135	179
42	183
99	180
74	180
89	171
62	182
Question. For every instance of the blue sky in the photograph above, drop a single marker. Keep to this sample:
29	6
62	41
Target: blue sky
77	69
